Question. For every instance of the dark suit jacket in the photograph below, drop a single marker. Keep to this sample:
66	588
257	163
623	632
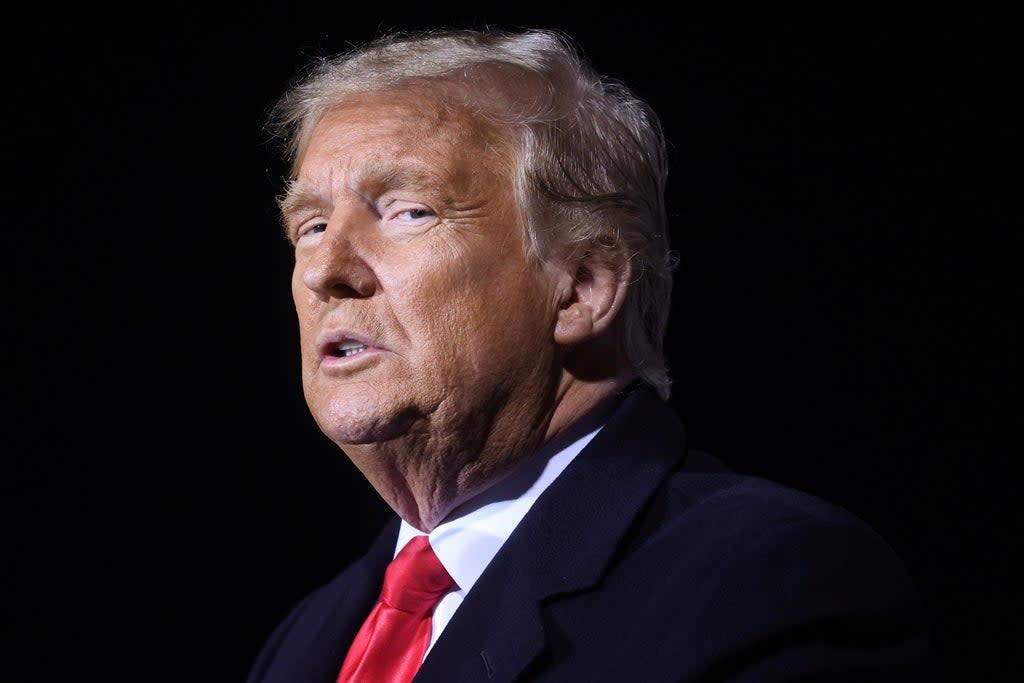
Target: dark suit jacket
645	562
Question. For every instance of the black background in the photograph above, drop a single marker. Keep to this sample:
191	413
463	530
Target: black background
841	192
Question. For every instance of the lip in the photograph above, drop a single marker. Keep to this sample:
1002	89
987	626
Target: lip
329	340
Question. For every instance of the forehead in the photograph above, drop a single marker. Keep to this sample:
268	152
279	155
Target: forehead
421	135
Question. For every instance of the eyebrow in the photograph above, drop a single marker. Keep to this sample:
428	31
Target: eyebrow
296	199
375	176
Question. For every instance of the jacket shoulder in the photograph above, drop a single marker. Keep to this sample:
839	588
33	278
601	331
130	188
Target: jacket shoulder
779	581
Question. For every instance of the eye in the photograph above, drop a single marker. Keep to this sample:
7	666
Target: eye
414	214
313	227
407	213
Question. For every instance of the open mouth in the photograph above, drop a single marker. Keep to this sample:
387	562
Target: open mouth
346	349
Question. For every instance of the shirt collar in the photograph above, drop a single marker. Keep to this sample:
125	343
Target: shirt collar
468	540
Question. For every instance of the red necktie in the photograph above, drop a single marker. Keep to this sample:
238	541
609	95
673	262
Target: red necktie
392	641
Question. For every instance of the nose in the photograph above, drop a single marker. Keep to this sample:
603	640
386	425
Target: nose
335	268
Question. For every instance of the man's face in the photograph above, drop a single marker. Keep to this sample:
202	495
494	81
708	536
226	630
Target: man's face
418	310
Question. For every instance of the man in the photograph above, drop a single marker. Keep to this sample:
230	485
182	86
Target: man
482	278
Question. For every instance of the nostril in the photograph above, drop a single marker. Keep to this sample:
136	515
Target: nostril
344	290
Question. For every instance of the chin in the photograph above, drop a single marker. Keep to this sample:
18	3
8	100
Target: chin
363	420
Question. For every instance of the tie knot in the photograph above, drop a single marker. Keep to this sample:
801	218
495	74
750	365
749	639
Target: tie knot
415	580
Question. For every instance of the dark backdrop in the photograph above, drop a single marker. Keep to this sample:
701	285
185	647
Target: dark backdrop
843	314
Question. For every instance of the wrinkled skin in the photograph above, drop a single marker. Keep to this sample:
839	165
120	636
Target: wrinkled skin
409	250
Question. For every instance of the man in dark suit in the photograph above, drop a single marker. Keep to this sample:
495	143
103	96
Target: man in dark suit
482	278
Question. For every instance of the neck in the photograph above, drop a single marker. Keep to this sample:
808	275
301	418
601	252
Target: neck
424	476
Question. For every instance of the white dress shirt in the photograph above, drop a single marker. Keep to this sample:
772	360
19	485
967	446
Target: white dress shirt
470	537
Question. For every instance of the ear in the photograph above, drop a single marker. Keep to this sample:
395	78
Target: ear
593	296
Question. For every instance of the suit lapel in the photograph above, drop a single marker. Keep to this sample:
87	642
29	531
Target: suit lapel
563	545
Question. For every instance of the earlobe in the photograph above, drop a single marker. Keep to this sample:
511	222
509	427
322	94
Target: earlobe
575	324
594	298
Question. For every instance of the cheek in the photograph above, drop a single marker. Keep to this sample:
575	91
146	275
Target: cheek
499	321
430	292
467	305
305	311
301	297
